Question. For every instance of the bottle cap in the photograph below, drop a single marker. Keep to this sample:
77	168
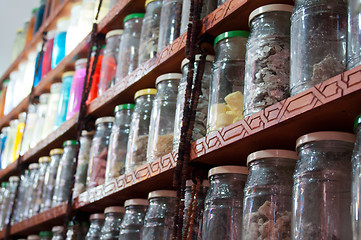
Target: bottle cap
45	234
325	136
86	133
97	216
228	170
114	209
33	237
57	229
104	120
68	74
162	193
133	15
70	143
33	166
81	61
124	107
114	33
271	153
136	202
168	76
56	151
231	34
209	58
148	91
44	159
14	179
270	8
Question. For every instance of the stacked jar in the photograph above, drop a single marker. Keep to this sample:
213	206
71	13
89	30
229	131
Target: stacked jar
9	199
96	225
44	164
40	119
113	220
29	128
48	53
25	212
71	35
24	181
59	42
356	179
93	93
67	79
52	109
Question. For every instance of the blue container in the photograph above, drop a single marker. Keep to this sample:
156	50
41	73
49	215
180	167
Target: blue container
39	18
63	99
3	137
37	74
58	49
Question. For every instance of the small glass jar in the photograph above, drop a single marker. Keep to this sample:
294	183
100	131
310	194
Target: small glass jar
24	182
109	62
200	123
318	42
96	225
33	237
76	90
40	119
129	45
113	219
9	202
150	31
3	137
118	141
139	129
45	235
9	144
226	90
63	102
133	221
220	2
44	163
170	22
29	128
64	174
222	217
83	162
158	222
93	93
268	195
354	37
356	180
161	126
48	53
59	42
322	186
52	109
4	202
267	57
18	136
71	35
57	233
33	168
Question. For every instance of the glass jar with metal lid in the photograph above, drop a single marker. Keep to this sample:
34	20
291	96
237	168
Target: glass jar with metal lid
150	30
44	163
99	152
356	180
322	186
318	42
200	124
113	220
33	237
4	202
33	168
129	45
57	233
222	217
24	181
96	225
67	80
64	174
9	199
161	126
139	129
226	90
158	222
267	57
118	141
353	40
132	224
45	235
268	195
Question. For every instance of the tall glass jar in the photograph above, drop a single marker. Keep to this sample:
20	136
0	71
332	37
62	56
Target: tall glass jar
356	180
63	102
118	141
170	22
139	129
268	195
9	203
45	235
226	90
318	42
96	225
77	230
132	224
109	62
161	126
40	120
86	18
24	181
129	45
48	53
3	137
29	128
93	93
18	136
44	163
71	35
33	168
59	42
200	124
150	31
158	222
57	233
6	158
267	57
113	219
4	202
52	109
354	37
322	186
222	217
64	174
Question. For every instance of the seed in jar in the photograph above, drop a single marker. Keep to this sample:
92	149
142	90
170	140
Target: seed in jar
140	153
164	145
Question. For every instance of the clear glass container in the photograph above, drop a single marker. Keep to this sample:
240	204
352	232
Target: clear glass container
227	85
44	163
71	35
158	222
19	136
4	92
3	137
24	182
9	200
268	195
52	109
161	126
62	108
150	31
132	224
64	174
118	141
356	180
29	128
86	18
59	42
322	186
170	22
45	235
200	124
76	230
109	62
6	157
9	104
40	119
139	129
57	232
222	217
4	202
48	53
99	152
96	225
93	93
25	212
129	45
267	57
113	219
354	34
318	42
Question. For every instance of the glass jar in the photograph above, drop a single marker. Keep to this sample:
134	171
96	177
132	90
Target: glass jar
24	181
18	136
45	235
132	224
29	128
96	225
6	158
39	16
139	129
44	163
354	37
76	90
109	62
24	212
59	42
9	201
3	96
318	42
267	57
63	102
48	53
76	230
4	202
150	31
356	179
129	45
3	137
29	34
9	103
322	186
57	233
93	93
222	217
64	174
38	65
158	222
52	109
40	119
86	18
71	35
118	141
113	219
170	22
226	90
200	123
161	126
268	195
50	178
33	237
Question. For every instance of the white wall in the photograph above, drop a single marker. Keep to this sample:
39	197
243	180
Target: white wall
13	14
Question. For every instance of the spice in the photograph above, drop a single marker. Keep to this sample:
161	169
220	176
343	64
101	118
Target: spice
140	154
164	145
329	67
